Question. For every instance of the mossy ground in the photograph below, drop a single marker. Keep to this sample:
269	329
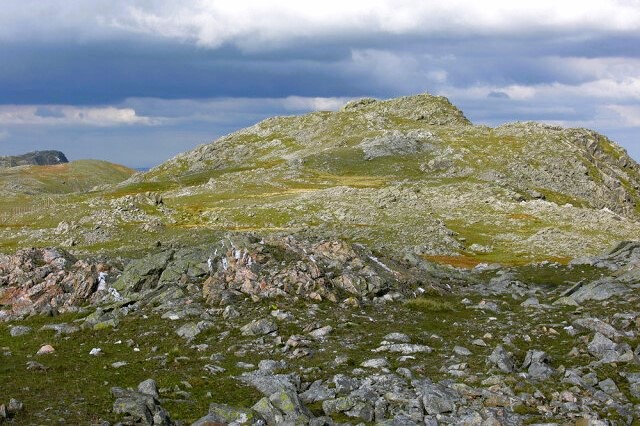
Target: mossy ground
76	386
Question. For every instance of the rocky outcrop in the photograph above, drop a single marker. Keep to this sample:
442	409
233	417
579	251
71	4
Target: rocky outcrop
324	270
36	158
44	280
316	271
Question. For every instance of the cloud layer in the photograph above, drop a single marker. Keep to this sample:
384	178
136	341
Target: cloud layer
70	116
156	77
276	23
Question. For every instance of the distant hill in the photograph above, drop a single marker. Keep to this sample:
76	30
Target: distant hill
35	158
77	176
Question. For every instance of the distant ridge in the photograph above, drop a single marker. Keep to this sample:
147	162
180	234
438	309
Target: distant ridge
35	158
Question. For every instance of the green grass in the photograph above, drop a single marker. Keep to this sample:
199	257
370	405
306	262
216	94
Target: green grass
76	386
429	305
559	275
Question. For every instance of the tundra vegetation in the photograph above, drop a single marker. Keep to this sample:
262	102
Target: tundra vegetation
388	263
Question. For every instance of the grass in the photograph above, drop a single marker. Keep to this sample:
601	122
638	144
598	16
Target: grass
77	385
429	305
77	176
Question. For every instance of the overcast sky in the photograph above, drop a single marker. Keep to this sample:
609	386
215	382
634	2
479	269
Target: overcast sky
136	82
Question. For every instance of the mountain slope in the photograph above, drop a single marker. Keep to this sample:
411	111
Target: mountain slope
411	175
422	138
409	178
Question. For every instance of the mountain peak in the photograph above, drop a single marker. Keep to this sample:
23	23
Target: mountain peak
430	109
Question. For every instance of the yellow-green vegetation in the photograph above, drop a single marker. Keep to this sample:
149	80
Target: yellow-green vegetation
429	305
77	176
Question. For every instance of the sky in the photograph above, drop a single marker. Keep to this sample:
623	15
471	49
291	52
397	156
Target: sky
136	82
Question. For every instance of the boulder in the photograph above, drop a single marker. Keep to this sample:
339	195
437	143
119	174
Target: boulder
436	398
606	350
192	329
598	290
596	325
318	391
141	407
220	414
338	405
537	363
143	274
501	359
259	327
149	387
268	383
290	405
269	412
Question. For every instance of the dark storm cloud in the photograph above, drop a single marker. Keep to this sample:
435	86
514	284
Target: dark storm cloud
109	72
139	82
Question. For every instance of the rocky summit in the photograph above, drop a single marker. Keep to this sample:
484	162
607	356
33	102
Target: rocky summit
389	263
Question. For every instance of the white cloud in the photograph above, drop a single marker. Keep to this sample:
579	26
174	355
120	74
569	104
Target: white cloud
153	111
593	68
629	114
70	115
304	104
4	134
250	24
230	110
271	23
603	89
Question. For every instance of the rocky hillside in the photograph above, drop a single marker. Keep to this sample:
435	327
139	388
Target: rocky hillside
36	158
420	139
389	263
411	175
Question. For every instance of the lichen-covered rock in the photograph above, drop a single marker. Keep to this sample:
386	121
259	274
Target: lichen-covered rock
225	415
141	407
436	398
259	327
143	274
501	359
268	411
192	329
598	290
290	405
